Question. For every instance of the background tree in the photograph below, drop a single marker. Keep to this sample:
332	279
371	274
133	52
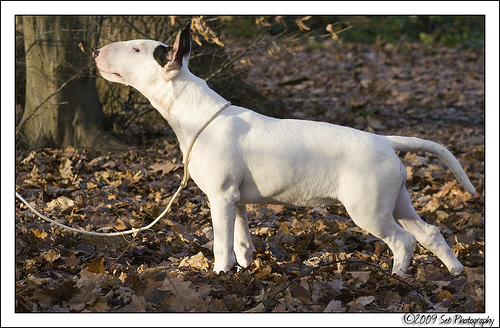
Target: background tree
61	107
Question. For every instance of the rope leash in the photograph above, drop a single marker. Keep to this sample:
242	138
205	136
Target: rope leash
183	184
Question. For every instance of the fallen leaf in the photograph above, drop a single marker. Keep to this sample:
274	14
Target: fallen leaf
359	303
29	157
362	276
444	294
184	298
71	261
65	169
38	281
446	188
99	306
51	255
198	261
60	204
119	225
165	167
39	233
96	265
335	306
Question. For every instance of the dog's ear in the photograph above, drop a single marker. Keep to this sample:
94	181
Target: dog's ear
181	50
160	54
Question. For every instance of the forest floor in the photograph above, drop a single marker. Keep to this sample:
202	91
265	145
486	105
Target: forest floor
426	91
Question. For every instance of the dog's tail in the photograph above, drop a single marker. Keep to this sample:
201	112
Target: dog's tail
416	144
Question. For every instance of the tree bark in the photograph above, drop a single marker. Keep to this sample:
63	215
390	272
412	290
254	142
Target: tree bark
62	107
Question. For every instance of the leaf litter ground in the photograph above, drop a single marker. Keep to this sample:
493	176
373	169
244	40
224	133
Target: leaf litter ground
425	91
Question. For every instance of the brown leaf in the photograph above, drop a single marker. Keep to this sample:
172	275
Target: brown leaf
198	261
379	248
359	303
119	225
70	150
71	261
96	265
29	157
88	185
445	295
335	306
276	208
65	169
362	276
265	273
183	298
165	167
259	308
34	172
446	188
60	204
37	280
474	274
409	173
99	306
127	182
39	233
51	255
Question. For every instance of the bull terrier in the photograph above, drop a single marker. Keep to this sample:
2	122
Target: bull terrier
241	157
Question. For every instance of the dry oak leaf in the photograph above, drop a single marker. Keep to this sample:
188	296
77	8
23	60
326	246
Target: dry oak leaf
183	298
65	169
198	261
99	306
60	204
335	306
359	303
71	261
165	167
96	265
445	295
39	233
362	276
119	225
51	255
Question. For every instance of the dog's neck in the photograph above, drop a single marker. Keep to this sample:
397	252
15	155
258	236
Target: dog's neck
186	104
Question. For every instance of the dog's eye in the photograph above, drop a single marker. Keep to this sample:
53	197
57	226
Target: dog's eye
137	49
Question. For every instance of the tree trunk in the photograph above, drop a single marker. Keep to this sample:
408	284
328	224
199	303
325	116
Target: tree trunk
62	106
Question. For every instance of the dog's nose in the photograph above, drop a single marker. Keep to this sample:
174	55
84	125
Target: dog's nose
95	53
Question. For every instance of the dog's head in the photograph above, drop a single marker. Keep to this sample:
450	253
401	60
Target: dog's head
141	63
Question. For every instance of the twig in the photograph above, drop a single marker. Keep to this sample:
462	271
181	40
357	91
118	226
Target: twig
134	237
135	28
234	57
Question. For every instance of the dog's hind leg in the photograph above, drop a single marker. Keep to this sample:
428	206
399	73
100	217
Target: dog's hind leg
374	214
427	235
400	241
243	247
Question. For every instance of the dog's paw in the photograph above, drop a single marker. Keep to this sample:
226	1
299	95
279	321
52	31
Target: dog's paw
244	256
398	271
455	271
222	268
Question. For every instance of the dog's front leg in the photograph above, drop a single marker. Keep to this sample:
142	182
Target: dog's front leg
243	246
223	219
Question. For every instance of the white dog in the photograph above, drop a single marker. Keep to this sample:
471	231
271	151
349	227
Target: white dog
242	157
